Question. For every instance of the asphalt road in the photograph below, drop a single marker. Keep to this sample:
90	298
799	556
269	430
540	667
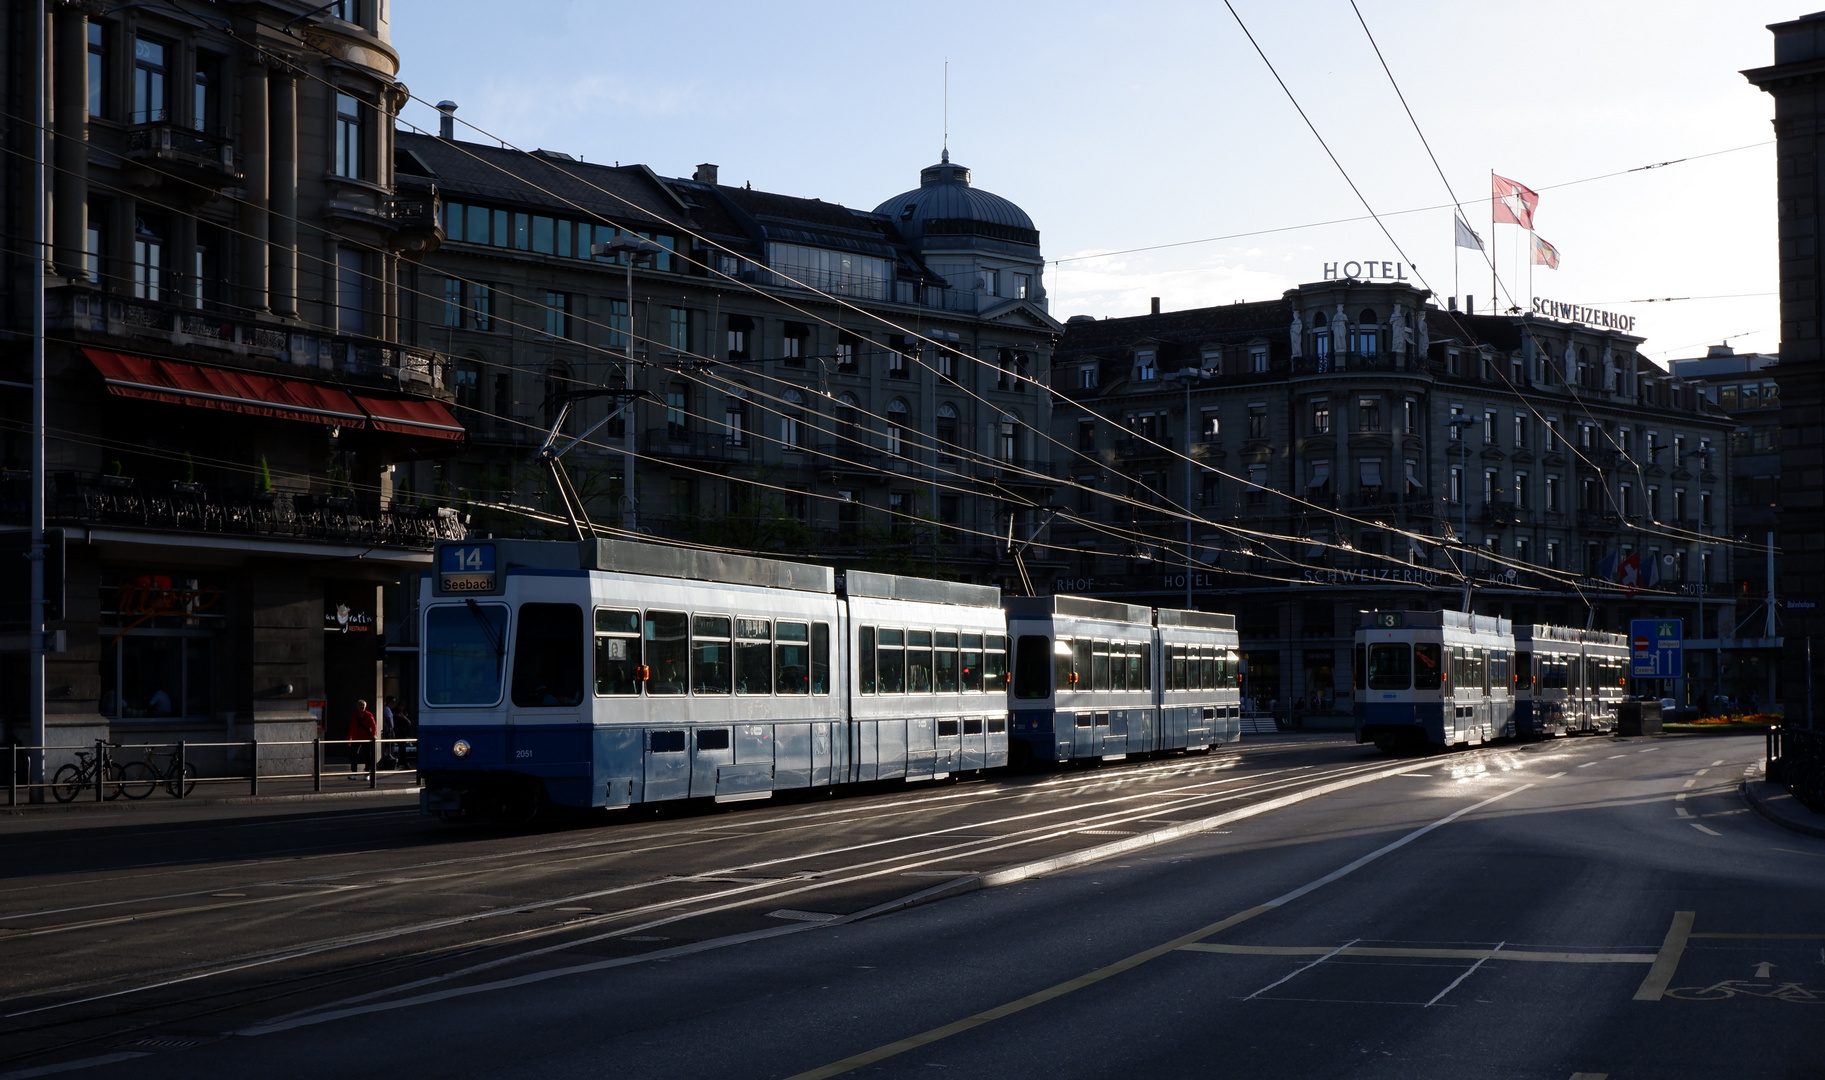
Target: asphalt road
1596	906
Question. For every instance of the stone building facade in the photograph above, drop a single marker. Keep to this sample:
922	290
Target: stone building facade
851	386
226	392
1352	446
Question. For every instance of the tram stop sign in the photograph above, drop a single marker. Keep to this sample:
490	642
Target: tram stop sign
1656	648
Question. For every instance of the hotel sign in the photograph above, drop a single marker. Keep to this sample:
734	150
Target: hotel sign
1365	271
1589	316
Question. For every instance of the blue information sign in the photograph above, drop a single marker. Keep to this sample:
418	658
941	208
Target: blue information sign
1656	648
465	568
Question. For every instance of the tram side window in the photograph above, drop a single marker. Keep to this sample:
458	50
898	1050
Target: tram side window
1083	662
464	645
1062	669
791	658
970	663
753	656
1498	671
1118	665
1174	656
820	658
1552	672
1390	665
865	670
1138	673
667	651
617	652
548	656
918	661
944	661
710	654
995	663
1099	665
1467	669
1228	674
1428	672
1032	666
1523	671
890	656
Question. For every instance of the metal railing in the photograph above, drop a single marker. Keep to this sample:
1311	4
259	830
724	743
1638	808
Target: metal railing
1796	761
252	762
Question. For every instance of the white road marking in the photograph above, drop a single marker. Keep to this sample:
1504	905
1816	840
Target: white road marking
1587	765
1689	783
1702	829
72	1066
1701	772
1556	775
1682	811
1681	797
1467	973
1613	757
1714	764
1303	969
1649	750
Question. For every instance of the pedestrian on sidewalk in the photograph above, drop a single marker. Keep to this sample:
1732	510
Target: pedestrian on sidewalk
363	728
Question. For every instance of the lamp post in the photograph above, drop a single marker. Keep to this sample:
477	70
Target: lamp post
1458	422
1187	376
635	247
1703	453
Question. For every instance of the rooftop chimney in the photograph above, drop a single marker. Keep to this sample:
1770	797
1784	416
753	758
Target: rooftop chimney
705	174
1469	305
1156	305
446	124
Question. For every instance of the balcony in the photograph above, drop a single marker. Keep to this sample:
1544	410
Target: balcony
417	220
1500	512
695	445
197	156
1336	362
178	507
1157	446
90	309
1597	519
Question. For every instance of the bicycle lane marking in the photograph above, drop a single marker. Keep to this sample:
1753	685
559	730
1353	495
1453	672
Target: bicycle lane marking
1128	963
1773	966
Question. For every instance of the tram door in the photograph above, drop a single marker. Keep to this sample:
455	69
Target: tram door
668	766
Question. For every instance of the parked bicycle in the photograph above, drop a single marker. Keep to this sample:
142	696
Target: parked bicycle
139	778
82	775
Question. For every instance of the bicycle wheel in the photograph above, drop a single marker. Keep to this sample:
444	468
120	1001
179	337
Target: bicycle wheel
189	781
67	784
115	790
137	779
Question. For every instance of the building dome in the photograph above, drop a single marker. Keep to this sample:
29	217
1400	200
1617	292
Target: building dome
945	205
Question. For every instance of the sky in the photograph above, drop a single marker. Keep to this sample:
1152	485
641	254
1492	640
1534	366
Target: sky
1152	123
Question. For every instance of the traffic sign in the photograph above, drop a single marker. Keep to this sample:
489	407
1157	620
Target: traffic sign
1657	648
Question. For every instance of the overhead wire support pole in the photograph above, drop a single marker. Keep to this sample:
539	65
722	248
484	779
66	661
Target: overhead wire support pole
35	615
553	458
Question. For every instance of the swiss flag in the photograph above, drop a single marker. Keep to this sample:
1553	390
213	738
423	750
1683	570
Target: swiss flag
1514	203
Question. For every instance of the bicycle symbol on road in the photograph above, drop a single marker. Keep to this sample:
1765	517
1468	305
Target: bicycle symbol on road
1731	988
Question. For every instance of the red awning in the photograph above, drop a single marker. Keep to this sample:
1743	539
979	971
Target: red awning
178	383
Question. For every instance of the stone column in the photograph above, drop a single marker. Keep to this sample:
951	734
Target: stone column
284	185
254	183
70	125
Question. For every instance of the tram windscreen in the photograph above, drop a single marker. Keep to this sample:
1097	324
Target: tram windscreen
548	656
1427	668
1033	666
464	645
1390	666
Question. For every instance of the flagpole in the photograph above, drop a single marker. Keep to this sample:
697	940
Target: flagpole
1492	256
1530	268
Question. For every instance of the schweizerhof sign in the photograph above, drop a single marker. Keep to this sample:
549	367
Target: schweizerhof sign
1589	316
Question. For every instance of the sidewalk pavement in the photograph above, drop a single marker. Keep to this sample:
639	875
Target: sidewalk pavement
233	791
1772	802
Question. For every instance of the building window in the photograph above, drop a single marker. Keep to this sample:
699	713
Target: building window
1625	499
1257	480
792	344
148	259
678	329
1520	431
846	354
944	361
1552	494
677	415
897	366
1552	434
1320	483
1552	555
1491	481
1144	369
946	431
98	69
735	421
346	10
1008	376
1653	504
466	384
150	101
1523	549
1213	426
618	327
843	417
987	281
1086	435
481	305
453	302
349	143
206	93
1321	417
1679	504
1457	485
895	432
1023	286
1321	340
1257	359
738	329
351	291
1086	377
1453	365
792	421
1489	427
1008	442
1410	417
1455	431
558	322
1520	491
1365	337
1368	414
1257	421
1704	508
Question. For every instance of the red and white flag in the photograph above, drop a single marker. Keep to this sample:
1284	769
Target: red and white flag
1544	253
1514	203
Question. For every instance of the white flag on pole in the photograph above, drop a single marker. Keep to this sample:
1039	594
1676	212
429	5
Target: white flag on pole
1466	236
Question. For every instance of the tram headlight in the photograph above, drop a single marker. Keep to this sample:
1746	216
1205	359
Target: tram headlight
461	749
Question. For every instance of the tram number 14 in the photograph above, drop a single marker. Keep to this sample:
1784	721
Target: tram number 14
466	568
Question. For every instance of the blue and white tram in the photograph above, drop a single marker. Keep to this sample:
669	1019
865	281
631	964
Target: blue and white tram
1438	678
1606	678
1567	680
608	673
1200	693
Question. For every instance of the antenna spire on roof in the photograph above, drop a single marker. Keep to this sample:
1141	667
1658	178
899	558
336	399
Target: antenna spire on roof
946	158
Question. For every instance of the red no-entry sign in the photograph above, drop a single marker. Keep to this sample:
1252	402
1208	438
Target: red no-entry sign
1641	644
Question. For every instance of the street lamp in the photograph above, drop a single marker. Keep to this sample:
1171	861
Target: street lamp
1703	453
1188	375
1458	422
635	247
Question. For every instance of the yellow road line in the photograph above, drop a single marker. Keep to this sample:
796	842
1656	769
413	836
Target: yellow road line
1423	954
1667	961
1763	937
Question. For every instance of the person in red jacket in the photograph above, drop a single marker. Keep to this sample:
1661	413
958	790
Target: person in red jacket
362	727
